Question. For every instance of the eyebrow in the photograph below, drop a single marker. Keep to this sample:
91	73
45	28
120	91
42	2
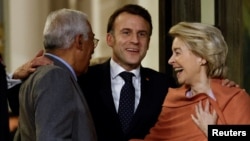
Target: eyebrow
176	48
141	30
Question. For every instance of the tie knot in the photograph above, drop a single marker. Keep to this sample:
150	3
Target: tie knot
127	76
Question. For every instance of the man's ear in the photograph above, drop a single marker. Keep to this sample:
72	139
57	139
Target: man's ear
79	39
110	39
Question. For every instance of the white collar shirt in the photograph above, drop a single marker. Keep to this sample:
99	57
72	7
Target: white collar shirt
117	82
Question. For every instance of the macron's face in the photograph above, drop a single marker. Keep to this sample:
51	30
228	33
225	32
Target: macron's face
129	40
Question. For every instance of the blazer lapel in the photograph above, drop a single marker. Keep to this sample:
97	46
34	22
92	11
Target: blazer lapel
105	91
145	100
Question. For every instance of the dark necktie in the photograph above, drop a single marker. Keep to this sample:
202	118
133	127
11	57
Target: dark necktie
127	101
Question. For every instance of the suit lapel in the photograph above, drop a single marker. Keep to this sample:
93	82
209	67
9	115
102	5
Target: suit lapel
145	94
106	92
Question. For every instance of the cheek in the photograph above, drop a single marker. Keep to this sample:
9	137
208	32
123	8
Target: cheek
179	60
84	59
193	65
143	52
145	43
88	51
144	46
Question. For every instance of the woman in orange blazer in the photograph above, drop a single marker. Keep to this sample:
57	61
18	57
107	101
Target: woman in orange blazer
198	59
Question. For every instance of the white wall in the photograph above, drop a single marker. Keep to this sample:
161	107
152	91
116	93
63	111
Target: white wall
207	11
152	58
23	23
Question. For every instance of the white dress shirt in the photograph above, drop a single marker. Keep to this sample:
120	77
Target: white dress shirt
117	82
12	82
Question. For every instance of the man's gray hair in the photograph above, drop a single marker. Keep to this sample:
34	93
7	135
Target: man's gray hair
62	26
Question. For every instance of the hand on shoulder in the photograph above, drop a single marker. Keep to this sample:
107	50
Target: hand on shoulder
26	69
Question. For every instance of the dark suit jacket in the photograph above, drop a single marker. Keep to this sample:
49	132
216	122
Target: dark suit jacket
4	116
53	108
96	85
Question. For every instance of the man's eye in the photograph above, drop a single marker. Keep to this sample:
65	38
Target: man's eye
125	32
143	34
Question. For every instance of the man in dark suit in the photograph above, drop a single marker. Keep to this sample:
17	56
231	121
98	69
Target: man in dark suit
128	34
4	115
52	106
97	87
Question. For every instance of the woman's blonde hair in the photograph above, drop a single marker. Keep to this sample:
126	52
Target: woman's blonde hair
205	41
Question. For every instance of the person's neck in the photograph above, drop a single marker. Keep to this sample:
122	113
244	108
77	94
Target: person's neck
127	67
202	86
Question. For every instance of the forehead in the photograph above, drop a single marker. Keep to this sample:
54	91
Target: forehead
178	43
131	21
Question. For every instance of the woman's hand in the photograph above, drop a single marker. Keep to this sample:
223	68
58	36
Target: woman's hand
204	117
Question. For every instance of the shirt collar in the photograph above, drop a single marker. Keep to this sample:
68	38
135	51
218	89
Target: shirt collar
116	69
65	63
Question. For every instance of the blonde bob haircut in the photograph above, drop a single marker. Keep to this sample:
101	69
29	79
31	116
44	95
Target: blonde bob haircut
205	41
